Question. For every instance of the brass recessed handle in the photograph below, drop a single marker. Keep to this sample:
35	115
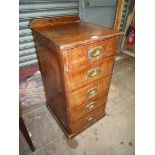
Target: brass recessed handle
95	52
90	105
89	119
91	91
93	72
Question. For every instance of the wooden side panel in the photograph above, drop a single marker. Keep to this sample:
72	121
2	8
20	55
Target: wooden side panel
52	76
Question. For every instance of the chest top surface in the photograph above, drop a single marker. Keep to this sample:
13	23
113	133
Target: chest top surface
69	31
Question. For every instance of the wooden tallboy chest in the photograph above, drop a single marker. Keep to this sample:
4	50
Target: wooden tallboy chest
76	61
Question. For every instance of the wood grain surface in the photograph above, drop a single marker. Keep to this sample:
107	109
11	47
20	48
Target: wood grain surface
76	60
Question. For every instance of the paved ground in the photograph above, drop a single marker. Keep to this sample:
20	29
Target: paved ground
112	135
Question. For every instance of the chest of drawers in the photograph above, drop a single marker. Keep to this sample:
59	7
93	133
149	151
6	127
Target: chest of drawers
76	61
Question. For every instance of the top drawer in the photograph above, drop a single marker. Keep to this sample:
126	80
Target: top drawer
86	54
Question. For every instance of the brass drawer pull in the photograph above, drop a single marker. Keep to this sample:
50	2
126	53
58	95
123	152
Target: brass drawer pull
93	72
90	105
89	119
95	52
92	91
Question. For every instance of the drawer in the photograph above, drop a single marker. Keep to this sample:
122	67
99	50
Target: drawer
82	76
87	119
88	92
83	55
88	107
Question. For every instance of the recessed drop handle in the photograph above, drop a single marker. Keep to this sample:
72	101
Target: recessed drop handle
90	105
93	72
95	52
89	119
91	91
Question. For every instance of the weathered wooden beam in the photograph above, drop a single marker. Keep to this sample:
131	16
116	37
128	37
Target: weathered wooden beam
118	16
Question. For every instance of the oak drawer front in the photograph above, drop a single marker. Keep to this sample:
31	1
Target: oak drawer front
87	54
88	92
87	119
88	107
82	76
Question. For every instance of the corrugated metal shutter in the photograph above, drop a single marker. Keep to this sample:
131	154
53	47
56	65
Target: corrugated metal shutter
29	9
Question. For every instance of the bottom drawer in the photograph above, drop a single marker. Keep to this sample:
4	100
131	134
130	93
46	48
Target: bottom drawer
87	119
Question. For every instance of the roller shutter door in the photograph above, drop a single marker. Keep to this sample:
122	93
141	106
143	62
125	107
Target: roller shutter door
29	9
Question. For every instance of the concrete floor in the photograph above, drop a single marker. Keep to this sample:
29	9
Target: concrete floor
112	135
